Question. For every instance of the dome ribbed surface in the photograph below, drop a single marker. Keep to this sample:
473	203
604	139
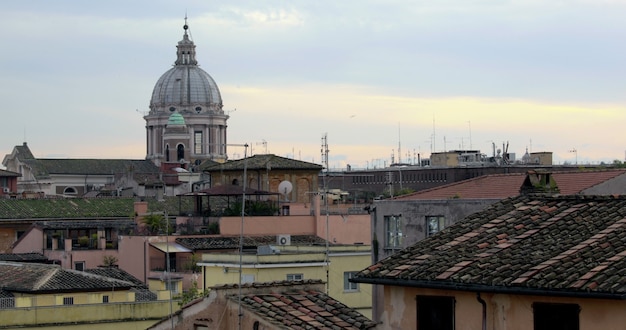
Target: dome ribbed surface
186	86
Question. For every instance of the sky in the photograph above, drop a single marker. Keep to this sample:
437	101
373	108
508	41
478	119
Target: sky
383	81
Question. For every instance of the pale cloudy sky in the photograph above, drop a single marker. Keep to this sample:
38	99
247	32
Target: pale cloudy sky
374	76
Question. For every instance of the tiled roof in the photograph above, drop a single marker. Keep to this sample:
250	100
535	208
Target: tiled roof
23	257
142	292
288	308
264	162
232	242
23	151
43	278
44	167
90	223
229	190
549	245
499	186
66	208
5	173
115	272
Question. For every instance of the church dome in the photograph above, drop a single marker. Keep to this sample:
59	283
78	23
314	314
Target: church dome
186	87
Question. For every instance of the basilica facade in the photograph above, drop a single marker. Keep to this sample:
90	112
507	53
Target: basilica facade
186	124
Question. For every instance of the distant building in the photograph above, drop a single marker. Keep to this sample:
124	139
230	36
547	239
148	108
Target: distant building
186	124
8	182
266	172
41	177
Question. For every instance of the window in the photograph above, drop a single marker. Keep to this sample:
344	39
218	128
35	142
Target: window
180	152
70	191
68	300
79	265
105	299
347	285
247	278
171	286
393	231
435	312
555	316
434	224
295	277
197	140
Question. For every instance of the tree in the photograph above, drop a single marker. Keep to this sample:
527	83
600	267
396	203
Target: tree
191	294
154	223
109	261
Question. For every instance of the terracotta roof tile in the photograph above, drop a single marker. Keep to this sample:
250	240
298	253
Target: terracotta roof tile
31	278
263	162
499	186
579	247
292	308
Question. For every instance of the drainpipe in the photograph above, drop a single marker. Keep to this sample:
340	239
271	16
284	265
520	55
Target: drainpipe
482	302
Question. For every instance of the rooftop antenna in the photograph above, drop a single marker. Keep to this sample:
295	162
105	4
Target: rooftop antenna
325	178
399	147
264	143
469	123
434	136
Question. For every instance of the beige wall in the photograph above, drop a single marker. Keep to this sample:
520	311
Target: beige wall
511	312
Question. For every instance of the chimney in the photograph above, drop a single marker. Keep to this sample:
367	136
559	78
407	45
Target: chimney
539	182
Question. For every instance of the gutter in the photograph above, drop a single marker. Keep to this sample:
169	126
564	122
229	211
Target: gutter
259	266
489	289
482	302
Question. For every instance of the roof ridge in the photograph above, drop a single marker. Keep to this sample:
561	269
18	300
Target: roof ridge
456	183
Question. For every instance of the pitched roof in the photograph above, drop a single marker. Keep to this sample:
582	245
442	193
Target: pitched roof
499	186
545	245
24	257
44	278
295	308
232	242
264	162
66	208
5	173
44	167
229	190
23	152
142	292
118	273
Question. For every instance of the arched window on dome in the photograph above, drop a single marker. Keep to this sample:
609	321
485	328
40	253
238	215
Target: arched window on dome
167	153
70	191
180	152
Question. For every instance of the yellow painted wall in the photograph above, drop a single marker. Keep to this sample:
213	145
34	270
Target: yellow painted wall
42	300
360	299
95	313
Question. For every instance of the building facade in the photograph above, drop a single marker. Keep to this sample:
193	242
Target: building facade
186	123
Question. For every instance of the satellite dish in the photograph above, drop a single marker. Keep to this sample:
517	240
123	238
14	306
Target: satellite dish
285	188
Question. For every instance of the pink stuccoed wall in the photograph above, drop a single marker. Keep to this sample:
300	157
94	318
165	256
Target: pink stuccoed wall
343	229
